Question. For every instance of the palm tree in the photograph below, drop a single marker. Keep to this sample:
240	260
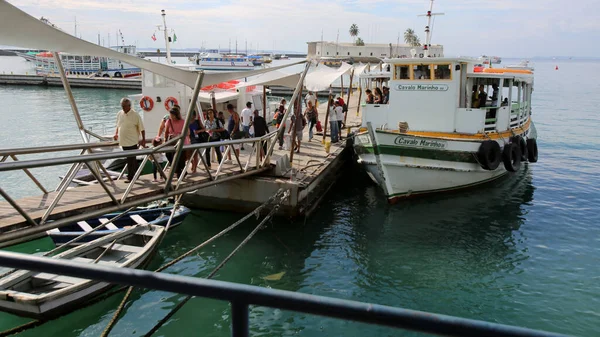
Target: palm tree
411	38
360	42
354	30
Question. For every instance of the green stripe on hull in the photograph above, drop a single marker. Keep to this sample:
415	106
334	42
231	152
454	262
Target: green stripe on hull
455	156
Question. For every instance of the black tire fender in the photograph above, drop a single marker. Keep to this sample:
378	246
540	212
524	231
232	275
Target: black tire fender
489	155
511	156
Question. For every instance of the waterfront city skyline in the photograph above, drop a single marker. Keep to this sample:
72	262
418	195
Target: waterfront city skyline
508	28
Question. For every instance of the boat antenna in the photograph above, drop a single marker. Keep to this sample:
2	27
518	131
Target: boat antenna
162	11
428	31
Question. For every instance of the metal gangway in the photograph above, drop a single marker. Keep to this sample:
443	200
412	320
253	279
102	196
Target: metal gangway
27	217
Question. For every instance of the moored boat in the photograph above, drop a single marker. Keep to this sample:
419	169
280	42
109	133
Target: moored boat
450	123
214	60
85	65
45	295
152	216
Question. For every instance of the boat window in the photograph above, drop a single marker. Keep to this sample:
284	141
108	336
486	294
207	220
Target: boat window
442	72
359	54
348	53
402	72
422	72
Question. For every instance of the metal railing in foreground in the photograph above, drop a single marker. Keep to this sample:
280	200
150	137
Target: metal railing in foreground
242	296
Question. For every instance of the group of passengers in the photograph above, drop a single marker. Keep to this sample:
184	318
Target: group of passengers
381	96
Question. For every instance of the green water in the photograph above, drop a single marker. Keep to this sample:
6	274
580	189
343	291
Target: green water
523	251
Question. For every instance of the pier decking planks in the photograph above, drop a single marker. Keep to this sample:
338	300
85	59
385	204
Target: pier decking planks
92	197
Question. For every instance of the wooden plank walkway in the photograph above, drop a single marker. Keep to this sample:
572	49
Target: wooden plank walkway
307	164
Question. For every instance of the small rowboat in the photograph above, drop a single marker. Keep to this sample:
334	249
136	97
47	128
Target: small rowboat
154	216
45	295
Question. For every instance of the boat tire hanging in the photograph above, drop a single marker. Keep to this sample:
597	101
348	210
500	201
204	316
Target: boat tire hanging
532	150
511	156
170	102
489	155
146	103
522	146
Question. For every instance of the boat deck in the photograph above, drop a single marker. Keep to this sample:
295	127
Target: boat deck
308	165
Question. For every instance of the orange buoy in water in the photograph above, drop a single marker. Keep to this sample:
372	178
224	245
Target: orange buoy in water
556	68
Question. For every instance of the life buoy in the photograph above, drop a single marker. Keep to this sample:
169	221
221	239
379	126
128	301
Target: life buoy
532	150
489	155
511	156
170	102
146	103
522	146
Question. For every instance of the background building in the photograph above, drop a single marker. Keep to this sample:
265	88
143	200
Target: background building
370	52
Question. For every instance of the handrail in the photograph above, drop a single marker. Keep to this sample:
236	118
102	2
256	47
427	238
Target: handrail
241	296
10	166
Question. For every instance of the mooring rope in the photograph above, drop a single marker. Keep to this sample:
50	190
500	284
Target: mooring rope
121	306
212	274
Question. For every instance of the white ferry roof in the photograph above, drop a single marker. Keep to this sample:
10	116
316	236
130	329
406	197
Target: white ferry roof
220	97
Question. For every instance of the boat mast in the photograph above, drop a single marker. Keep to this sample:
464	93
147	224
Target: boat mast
166	36
427	29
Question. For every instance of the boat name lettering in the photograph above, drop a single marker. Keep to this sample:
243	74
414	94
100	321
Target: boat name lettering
421	87
414	142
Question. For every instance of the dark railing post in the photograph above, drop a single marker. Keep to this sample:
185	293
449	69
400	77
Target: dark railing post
239	319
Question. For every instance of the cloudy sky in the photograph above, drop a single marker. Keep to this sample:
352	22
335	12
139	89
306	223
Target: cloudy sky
508	28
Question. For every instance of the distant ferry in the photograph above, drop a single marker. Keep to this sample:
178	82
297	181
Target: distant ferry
490	59
87	65
214	60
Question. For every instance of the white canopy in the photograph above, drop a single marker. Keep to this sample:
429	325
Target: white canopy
322	77
220	97
19	29
274	78
359	69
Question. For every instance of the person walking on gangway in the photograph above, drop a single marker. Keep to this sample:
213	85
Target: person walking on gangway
129	128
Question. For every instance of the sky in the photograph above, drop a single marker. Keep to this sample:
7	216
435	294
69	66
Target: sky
507	28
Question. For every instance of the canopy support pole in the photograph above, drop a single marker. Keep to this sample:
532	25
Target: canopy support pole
327	115
185	132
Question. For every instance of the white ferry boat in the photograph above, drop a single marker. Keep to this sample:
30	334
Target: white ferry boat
213	60
449	124
86	65
438	134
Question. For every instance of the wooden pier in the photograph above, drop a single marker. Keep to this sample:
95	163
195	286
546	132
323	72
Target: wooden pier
312	172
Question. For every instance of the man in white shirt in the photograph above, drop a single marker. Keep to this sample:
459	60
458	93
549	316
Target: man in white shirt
333	122
310	97
129	128
339	110
246	119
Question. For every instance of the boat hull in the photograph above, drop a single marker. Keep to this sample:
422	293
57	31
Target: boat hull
405	165
157	217
65	300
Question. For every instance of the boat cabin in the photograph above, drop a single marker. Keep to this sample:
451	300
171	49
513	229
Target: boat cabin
164	93
449	95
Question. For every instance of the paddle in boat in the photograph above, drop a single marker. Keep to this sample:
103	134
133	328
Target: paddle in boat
152	216
44	295
449	124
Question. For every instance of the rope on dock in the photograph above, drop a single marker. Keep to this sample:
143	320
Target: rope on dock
256	211
214	272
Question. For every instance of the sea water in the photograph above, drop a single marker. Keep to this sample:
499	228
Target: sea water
524	250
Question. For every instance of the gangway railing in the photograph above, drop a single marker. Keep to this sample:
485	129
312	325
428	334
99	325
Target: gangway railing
93	161
241	296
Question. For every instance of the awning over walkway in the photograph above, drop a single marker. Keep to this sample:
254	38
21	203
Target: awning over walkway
274	78
19	29
322	77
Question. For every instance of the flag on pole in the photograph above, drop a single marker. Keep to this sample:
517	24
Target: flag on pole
154	37
174	37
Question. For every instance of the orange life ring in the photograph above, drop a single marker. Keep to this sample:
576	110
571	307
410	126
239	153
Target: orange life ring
146	103
170	102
